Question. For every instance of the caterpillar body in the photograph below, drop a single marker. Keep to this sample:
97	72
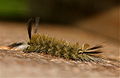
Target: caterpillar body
60	48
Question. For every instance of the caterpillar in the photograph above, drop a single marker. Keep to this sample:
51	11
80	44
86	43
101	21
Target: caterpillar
41	43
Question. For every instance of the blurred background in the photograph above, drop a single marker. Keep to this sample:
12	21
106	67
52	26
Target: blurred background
60	11
100	17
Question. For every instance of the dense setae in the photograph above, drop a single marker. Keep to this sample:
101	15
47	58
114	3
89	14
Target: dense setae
60	48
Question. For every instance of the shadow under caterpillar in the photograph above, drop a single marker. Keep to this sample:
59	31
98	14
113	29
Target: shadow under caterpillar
41	43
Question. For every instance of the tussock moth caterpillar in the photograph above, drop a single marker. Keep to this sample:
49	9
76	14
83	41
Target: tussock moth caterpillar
60	48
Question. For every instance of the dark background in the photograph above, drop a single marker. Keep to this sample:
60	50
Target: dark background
53	11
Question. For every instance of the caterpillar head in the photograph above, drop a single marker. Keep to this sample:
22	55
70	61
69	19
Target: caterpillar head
23	45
